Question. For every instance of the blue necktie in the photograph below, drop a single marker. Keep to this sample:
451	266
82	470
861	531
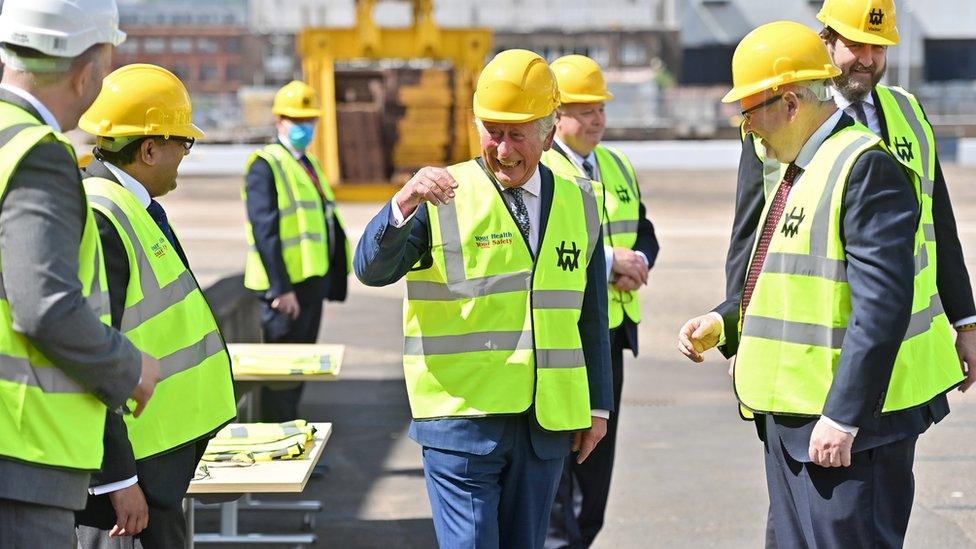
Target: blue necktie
158	214
588	168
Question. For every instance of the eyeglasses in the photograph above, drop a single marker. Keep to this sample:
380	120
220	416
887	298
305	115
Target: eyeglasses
186	142
745	113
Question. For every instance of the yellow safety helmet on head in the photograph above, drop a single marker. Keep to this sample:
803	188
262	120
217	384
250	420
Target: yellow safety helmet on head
136	101
516	86
296	99
864	21
580	80
777	54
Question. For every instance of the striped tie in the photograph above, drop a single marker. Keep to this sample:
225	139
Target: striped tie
769	227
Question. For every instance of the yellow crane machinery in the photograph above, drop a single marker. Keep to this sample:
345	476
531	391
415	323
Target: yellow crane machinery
465	50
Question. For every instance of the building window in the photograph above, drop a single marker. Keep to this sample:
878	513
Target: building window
154	45
633	54
233	44
207	45
181	71
130	46
235	73
181	44
209	72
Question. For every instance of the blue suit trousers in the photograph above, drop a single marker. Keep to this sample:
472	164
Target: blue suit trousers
501	498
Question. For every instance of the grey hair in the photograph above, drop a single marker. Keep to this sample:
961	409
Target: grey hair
544	124
820	89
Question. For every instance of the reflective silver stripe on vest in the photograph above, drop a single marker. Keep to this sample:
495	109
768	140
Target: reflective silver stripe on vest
825	336
820	230
97	298
154	300
191	355
48	379
467	343
458	285
557	299
905	106
921	259
590	212
620	227
928	230
806	265
623	169
559	358
296	240
293	204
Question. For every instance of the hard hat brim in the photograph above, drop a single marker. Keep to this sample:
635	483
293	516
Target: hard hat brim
565	97
183	130
741	92
298	113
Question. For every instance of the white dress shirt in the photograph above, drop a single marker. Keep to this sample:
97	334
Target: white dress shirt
532	196
870	111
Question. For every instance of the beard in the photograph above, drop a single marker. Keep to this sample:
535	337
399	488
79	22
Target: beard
855	90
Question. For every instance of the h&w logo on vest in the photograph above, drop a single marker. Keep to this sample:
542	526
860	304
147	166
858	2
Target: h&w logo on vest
623	195
904	149
791	224
876	16
568	258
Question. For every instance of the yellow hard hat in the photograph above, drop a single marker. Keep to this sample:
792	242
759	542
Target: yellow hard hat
580	80
139	100
864	21
516	86
777	54
296	99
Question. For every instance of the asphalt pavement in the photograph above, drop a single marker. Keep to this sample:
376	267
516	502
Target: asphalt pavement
689	471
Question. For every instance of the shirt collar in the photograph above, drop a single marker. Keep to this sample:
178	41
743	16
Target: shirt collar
131	184
842	102
46	115
532	186
576	159
813	143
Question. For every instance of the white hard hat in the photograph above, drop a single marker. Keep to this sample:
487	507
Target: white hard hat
60	28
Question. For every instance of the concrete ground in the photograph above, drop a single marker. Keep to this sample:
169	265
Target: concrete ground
689	472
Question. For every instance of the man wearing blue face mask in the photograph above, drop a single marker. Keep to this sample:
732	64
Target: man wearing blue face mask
298	253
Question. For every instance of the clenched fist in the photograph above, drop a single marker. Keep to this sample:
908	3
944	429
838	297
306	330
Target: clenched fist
434	185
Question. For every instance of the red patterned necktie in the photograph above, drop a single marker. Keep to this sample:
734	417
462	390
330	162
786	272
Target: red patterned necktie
772	221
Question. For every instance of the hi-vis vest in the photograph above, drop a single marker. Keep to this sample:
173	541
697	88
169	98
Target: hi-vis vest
303	222
46	417
488	329
167	317
793	330
618	198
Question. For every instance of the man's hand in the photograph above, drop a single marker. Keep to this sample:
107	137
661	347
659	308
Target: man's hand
829	446
625	283
966	348
287	303
434	185
131	511
699	335
626	262
147	383
586	440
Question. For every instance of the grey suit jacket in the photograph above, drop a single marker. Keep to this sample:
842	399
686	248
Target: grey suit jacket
42	217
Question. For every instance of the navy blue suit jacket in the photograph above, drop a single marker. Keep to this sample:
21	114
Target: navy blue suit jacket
262	212
879	221
386	253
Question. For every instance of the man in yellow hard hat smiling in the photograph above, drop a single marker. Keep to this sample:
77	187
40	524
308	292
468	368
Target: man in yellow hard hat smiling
839	335
506	355
142	122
